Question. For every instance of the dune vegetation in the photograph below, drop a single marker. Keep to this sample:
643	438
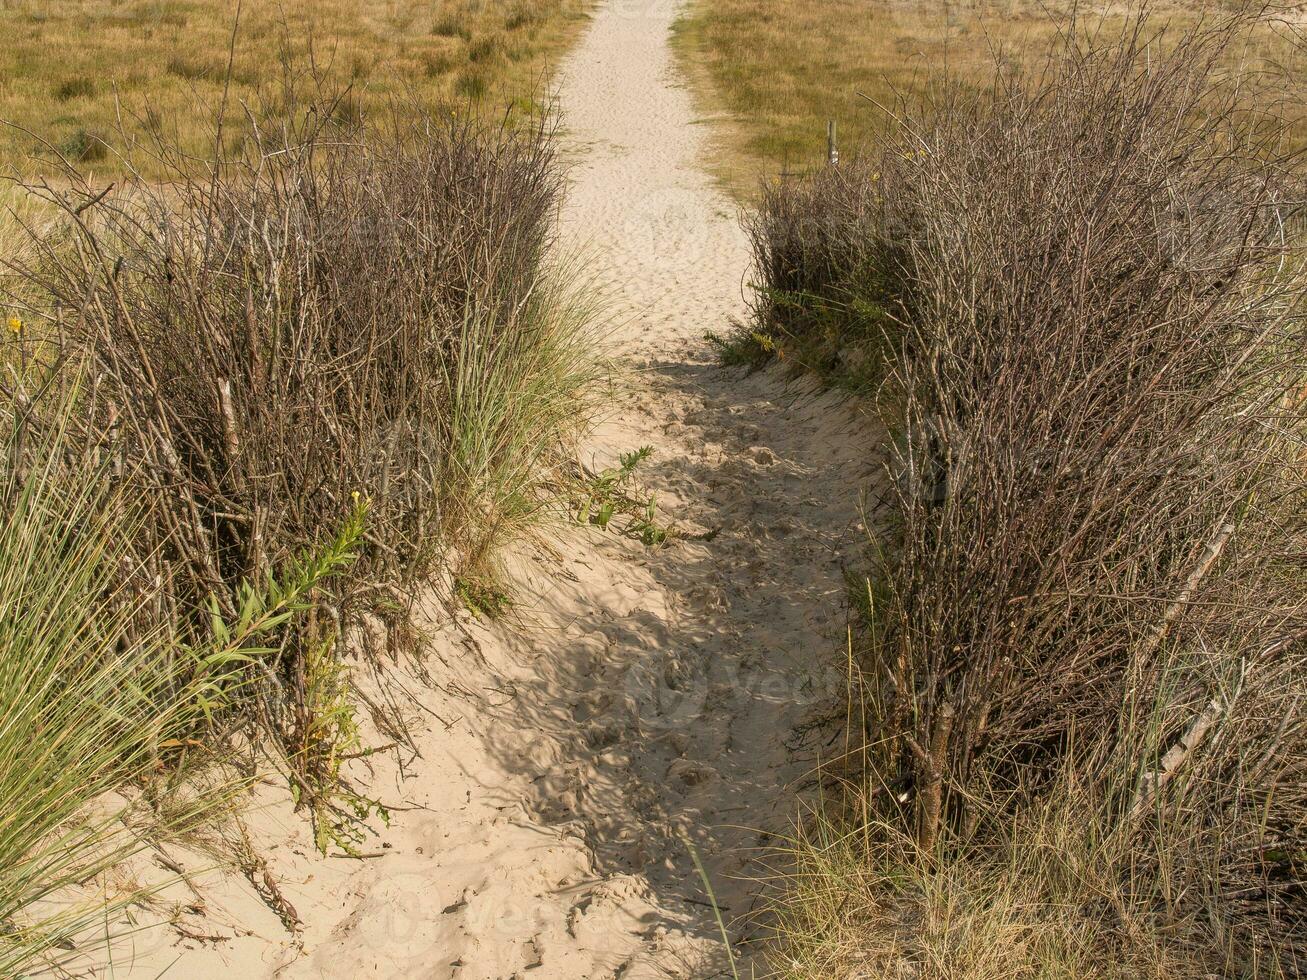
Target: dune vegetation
1075	296
109	715
288	338
266	378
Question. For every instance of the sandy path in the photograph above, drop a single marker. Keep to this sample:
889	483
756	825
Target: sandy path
640	696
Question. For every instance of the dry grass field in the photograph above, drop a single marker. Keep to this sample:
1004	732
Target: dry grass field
781	69
71	72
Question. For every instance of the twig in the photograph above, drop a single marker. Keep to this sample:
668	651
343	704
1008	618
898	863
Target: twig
1175	758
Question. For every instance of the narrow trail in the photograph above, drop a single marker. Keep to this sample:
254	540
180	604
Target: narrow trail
642	697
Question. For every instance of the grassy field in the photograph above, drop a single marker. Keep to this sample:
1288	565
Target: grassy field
71	72
781	70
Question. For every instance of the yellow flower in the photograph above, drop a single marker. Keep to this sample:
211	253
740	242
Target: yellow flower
15	325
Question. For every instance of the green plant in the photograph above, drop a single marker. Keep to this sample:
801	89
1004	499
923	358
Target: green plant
322	732
265	608
743	346
519	392
97	694
608	494
85	146
482	598
604	488
646	526
89	695
325	735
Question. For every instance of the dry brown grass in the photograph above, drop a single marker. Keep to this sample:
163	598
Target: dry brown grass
71	69
781	69
1018	911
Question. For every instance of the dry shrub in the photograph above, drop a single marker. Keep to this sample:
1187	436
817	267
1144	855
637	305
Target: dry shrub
305	321
333	314
1092	605
818	260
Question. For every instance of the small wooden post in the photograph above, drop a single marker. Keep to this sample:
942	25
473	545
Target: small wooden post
832	148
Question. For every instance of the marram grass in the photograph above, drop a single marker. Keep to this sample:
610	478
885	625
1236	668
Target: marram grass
96	701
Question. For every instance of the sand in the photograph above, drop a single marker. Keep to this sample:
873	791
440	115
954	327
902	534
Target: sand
638	698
